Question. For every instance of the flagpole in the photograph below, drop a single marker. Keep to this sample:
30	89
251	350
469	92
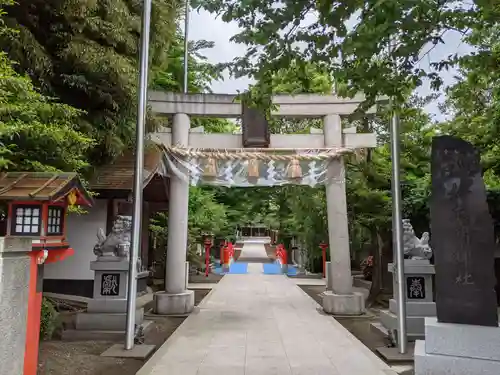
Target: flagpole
397	226
135	241
186	47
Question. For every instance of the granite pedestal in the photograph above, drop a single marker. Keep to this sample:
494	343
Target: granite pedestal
174	303
458	349
419	299
343	304
107	311
14	296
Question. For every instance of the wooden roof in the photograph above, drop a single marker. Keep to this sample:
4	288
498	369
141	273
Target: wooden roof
42	186
119	175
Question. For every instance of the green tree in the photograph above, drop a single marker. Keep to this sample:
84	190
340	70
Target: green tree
88	58
36	132
375	47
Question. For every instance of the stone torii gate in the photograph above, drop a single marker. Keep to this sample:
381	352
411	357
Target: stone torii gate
340	298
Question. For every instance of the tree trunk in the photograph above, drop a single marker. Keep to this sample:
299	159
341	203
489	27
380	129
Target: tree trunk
376	287
382	255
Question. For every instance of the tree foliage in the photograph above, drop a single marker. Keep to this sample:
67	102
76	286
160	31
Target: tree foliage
36	132
88	58
373	46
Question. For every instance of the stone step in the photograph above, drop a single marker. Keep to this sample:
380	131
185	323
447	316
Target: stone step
105	321
99	335
76	335
379	329
415	325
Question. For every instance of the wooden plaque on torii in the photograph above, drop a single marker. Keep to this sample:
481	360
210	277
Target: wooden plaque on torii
255	128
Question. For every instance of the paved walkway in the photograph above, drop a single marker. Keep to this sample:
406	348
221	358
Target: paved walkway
257	324
252	251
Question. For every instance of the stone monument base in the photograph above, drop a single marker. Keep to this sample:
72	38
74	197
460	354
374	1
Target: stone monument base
457	349
416	312
106	321
343	304
174	304
101	335
418	305
106	315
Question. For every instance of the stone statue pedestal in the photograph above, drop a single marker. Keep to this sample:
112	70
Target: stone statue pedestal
458	349
107	311
419	298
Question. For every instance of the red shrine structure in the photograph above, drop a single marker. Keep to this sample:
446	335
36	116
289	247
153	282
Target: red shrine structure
36	206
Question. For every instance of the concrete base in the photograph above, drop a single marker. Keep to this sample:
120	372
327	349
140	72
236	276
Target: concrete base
137	352
392	355
457	349
434	364
173	304
414	324
379	329
98	335
106	321
116	305
340	304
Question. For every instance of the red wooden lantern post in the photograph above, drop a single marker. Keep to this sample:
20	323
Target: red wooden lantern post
37	205
323	247
221	255
226	255
207	241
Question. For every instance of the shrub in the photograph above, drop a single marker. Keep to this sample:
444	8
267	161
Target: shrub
48	320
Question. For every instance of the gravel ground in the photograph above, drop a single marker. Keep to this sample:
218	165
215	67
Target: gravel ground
83	358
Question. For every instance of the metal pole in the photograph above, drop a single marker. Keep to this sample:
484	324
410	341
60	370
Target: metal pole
398	229
138	176
186	47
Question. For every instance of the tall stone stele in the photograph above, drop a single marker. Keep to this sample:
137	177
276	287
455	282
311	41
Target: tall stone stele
464	339
418	286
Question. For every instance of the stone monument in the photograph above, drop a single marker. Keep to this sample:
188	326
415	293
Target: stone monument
464	339
418	285
106	312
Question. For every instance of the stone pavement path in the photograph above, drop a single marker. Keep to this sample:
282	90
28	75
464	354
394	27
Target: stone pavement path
257	324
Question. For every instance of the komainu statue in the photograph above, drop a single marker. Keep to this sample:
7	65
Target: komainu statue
414	247
117	243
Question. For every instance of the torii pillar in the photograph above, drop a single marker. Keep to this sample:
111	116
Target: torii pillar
176	299
341	299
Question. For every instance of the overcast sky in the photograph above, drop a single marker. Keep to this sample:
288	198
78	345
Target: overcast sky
204	25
